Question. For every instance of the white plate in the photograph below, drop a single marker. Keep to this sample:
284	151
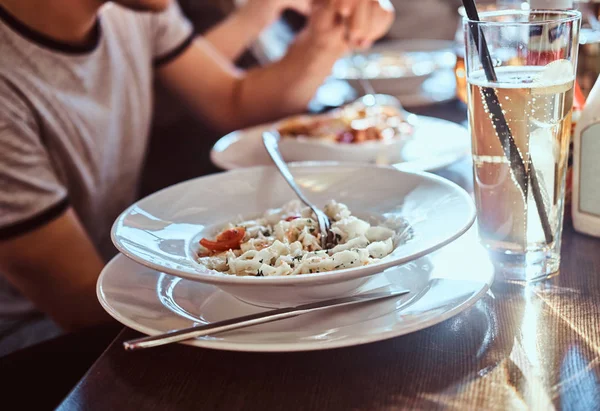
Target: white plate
442	285
422	58
436	144
162	231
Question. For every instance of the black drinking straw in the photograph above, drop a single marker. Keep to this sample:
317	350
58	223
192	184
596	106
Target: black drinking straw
511	151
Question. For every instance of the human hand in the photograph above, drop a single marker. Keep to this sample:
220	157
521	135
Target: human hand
270	10
353	24
366	20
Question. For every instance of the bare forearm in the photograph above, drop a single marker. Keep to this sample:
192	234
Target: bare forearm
228	98
236	33
231	99
285	87
80	309
56	267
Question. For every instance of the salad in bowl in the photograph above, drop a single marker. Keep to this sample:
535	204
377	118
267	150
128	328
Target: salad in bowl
357	132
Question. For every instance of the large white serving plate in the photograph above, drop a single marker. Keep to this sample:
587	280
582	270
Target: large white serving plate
442	285
162	230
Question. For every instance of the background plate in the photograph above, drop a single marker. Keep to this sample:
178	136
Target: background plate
436	144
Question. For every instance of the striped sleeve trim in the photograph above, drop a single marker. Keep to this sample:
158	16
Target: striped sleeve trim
37	221
176	52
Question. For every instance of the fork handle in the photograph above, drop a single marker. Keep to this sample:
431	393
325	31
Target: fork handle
271	143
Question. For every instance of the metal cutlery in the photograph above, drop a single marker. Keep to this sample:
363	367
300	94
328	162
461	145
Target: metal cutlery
271	143
255	319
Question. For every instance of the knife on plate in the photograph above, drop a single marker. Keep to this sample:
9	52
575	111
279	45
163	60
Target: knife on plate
255	319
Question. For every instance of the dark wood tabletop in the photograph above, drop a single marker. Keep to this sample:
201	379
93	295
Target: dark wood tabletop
520	347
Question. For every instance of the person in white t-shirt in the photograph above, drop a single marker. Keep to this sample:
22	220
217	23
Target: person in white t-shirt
75	109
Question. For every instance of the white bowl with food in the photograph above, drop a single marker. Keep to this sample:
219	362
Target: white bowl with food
396	67
355	133
238	230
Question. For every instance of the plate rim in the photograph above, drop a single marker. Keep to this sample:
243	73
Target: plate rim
320	278
293	346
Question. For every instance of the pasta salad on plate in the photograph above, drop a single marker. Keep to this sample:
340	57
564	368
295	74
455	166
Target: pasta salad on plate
286	241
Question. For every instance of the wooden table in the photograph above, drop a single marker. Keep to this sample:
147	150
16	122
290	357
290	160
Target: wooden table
535	347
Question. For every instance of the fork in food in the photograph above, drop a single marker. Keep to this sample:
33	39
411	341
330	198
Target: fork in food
271	143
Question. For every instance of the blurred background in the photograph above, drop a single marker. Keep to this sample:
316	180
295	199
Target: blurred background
426	39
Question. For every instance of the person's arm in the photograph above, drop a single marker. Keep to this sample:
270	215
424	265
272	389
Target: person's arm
231	99
239	30
44	250
56	266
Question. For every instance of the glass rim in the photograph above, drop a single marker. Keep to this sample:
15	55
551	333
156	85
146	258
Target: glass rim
566	17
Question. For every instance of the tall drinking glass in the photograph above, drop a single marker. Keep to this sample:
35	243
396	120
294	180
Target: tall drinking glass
520	121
